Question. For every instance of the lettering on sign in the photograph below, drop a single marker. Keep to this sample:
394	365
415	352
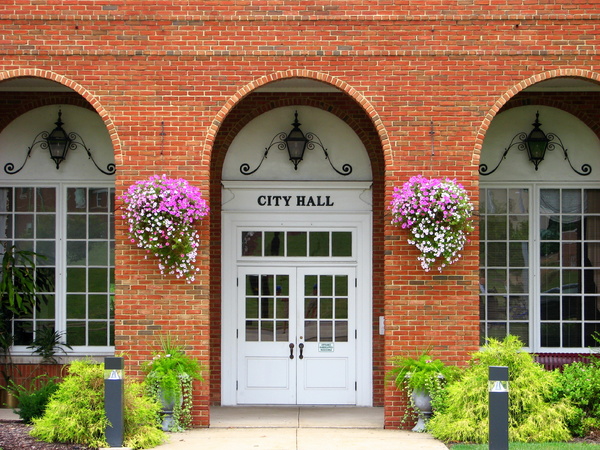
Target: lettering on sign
326	347
298	200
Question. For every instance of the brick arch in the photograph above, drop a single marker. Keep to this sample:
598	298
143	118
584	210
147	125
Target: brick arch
243	92
588	75
591	121
62	98
89	100
233	126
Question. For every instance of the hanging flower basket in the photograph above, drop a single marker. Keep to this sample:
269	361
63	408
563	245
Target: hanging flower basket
161	213
438	216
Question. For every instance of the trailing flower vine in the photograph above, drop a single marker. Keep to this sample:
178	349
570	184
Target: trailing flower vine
438	214
161	213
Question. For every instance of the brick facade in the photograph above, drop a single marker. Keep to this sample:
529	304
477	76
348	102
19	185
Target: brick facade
419	82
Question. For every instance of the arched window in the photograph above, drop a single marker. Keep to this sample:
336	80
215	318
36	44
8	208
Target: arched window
66	216
540	236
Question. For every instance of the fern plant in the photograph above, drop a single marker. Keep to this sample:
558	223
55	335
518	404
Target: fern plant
169	379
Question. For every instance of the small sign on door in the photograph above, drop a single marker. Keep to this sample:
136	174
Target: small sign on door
326	347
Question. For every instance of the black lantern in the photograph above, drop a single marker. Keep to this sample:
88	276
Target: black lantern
58	142
536	143
296	143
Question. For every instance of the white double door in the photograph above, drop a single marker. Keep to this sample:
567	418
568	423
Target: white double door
296	335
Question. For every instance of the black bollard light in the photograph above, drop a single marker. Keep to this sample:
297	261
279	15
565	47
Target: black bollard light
113	400
498	394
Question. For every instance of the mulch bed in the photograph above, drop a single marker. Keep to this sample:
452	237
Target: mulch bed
15	436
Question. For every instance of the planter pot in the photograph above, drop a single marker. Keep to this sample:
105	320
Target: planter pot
422	402
167	411
7	400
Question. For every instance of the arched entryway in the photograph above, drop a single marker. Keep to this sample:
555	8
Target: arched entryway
296	253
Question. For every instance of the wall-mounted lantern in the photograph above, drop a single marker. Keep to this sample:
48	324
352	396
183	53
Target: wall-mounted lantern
536	143
296	143
58	143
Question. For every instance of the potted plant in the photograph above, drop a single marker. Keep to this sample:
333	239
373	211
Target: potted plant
22	290
169	378
422	378
438	214
161	213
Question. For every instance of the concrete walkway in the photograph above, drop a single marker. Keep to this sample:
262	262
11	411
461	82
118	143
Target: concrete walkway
291	428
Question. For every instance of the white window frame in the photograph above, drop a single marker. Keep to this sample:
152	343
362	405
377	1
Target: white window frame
60	265
534	256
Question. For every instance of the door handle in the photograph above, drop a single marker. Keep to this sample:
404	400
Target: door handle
292	351
301	347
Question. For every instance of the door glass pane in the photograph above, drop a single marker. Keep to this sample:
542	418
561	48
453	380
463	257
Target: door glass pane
99	199
341	243
266	299
24	199
326	331
319	243
266	308
341	331
341	308
341	285
45	225
282	331
326	285
326	308
76	200
310	330
326	312
496	200
98	226
251	243
274	243
76	226
310	308
46	199
251	330
296	243
24	226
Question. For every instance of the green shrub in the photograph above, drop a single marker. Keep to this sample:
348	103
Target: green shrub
33	400
75	413
463	416
580	383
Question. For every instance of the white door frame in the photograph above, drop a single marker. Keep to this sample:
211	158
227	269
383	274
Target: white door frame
350	209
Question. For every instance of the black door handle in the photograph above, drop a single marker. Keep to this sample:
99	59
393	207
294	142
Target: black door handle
292	351
301	347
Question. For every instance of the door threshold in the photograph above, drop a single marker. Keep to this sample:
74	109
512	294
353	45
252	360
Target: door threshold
296	417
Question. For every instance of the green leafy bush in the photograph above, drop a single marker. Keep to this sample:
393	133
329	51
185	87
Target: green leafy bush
33	399
75	413
580	383
534	416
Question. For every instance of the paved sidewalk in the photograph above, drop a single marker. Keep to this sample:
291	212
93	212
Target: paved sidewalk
300	439
283	428
291	428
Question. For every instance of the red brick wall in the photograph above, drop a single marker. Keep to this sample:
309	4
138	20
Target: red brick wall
410	72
